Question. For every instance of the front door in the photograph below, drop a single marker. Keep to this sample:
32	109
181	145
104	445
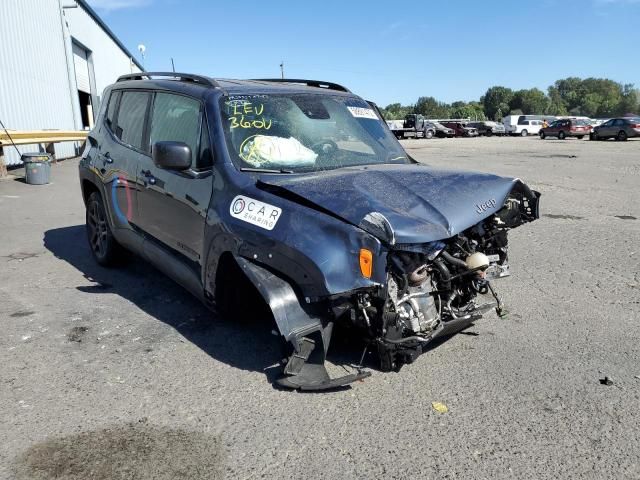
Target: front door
172	205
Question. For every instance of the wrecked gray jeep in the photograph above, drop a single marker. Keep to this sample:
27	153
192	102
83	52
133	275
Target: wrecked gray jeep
299	188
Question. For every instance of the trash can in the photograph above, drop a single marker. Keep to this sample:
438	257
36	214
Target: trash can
37	168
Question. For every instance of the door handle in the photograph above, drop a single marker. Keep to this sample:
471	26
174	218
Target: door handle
106	158
148	177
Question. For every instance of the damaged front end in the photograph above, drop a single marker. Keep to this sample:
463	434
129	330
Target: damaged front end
430	290
435	289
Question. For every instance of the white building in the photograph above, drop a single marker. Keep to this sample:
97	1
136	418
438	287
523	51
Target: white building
56	58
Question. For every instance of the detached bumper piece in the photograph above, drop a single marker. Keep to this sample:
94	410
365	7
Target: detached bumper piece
305	369
396	353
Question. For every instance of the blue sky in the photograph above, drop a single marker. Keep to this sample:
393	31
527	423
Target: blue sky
452	50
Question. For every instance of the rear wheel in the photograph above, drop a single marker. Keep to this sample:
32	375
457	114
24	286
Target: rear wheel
104	247
524	133
580	137
622	136
562	135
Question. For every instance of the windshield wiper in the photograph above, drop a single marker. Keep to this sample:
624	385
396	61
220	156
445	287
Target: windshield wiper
264	170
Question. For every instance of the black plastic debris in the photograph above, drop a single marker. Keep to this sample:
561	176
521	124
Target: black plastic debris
606	381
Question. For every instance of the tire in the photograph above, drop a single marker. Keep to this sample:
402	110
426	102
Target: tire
562	135
428	134
524	133
104	247
622	136
580	137
542	135
593	136
488	133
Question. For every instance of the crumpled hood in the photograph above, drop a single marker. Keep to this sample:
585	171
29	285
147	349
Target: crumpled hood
420	204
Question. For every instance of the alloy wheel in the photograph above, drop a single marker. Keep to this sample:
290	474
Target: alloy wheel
98	230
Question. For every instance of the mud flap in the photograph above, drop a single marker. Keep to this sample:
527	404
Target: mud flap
305	369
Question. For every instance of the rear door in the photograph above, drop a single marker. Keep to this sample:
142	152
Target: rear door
173	204
122	150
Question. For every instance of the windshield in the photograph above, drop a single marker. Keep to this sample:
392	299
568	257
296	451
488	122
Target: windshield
306	133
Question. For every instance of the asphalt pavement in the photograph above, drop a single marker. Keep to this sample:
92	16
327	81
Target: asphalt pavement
122	374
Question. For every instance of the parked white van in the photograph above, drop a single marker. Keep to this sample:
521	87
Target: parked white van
524	125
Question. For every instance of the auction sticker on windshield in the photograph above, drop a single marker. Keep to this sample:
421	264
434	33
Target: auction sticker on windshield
255	212
360	112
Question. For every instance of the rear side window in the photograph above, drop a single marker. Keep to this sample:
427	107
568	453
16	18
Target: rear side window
131	118
111	109
176	118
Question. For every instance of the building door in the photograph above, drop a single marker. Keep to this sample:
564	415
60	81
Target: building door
83	82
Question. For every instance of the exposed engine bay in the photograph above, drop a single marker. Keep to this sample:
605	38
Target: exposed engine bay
440	288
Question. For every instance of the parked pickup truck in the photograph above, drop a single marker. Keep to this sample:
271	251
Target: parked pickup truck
414	126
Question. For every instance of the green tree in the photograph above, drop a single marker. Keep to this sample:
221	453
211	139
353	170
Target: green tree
432	108
630	101
530	102
395	111
556	104
472	110
496	101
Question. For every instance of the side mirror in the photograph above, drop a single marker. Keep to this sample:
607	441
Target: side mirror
171	155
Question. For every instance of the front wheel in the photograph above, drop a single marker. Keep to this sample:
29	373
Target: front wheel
104	247
562	135
428	134
593	136
542	136
524	133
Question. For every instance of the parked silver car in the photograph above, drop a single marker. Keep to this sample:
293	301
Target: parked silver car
618	128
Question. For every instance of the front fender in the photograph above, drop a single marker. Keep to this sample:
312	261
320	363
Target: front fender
317	253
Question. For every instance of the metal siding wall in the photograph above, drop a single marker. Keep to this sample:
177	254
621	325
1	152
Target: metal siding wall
34	83
109	61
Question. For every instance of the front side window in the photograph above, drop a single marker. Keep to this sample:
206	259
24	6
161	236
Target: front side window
176	118
306	132
131	117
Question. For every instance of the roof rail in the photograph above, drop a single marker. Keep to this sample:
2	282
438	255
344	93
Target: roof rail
309	83
181	77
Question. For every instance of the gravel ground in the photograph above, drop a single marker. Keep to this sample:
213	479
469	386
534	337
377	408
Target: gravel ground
121	374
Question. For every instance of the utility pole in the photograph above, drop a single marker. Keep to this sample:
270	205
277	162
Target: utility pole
173	66
282	69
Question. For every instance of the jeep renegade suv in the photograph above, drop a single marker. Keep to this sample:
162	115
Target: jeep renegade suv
300	189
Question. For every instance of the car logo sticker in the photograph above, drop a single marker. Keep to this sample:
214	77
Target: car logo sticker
255	212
